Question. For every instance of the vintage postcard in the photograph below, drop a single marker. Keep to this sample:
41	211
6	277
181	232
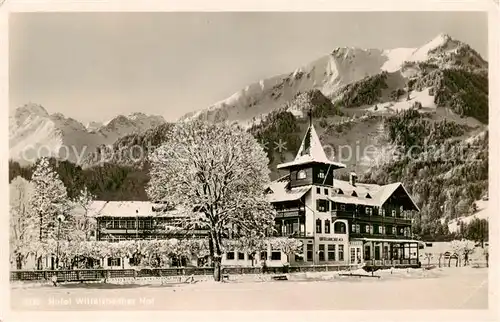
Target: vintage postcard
247	160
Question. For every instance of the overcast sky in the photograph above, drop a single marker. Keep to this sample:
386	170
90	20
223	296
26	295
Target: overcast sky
93	66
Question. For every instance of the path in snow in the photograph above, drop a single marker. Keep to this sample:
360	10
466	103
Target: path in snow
458	288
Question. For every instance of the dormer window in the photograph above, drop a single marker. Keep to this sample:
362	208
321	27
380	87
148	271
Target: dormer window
301	175
340	192
354	194
368	196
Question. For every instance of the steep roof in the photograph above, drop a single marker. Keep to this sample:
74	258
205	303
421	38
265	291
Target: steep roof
366	194
310	151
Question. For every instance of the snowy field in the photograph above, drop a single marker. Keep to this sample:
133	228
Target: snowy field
447	288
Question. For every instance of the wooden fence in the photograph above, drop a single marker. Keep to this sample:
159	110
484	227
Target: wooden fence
100	274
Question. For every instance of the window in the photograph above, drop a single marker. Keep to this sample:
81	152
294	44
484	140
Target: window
401	231
321	174
340	192
318	226
393	212
301	175
141	224
327	226
339	228
368	196
379	229
353	255
382	212
354	194
341	252
230	255
299	254
263	256
131	224
275	256
310	252
342	207
318	190
322	205
116	224
331	252
321	252
394	230
353	228
368	211
358	228
108	223
241	256
114	261
123	224
371	229
147	224
385	253
326	191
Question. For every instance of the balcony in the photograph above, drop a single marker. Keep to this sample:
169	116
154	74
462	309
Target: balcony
339	214
290	213
381	236
295	234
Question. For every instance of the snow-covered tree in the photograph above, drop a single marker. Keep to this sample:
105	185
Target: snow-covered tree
462	248
48	200
288	246
84	224
251	245
217	174
22	226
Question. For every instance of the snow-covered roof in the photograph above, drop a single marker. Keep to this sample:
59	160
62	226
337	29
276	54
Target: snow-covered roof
93	210
310	151
366	194
343	192
131	209
280	193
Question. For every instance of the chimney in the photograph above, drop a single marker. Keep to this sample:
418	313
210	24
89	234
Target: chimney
352	178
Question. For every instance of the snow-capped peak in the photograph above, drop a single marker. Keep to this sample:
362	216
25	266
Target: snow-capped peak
34	133
22	113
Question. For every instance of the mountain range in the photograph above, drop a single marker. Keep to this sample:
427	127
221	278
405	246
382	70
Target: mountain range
336	73
370	100
33	133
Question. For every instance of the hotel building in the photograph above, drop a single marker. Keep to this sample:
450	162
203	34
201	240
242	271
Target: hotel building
341	222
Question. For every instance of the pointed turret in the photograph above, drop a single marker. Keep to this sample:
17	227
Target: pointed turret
311	151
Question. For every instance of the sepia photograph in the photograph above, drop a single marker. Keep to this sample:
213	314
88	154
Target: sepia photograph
248	161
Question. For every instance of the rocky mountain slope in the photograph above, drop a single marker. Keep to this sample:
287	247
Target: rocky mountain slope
337	74
34	133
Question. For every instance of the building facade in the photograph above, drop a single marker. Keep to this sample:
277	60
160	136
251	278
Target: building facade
145	220
341	222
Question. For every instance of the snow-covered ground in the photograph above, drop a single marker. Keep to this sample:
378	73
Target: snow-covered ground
447	288
481	213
